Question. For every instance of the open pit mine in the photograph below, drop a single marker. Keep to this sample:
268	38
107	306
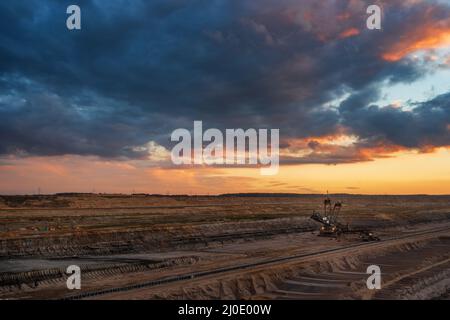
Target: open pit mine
260	246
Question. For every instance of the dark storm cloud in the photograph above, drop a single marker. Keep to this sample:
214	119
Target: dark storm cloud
139	69
425	126
45	124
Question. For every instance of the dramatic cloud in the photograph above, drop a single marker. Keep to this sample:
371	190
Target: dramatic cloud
139	69
423	127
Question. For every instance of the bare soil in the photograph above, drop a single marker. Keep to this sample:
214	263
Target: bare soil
121	240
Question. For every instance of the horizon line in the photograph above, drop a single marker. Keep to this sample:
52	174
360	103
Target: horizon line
237	194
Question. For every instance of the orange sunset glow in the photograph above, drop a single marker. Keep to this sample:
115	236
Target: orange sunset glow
359	110
401	173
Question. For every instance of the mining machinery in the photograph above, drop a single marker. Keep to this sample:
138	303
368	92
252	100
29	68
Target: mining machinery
331	227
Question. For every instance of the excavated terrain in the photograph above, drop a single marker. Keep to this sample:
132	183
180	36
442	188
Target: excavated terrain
125	245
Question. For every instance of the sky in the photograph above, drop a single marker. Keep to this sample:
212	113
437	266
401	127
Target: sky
92	110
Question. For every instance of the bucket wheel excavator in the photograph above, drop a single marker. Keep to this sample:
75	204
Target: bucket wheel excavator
331	227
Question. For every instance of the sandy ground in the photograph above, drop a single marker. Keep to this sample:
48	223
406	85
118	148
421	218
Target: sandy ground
120	241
